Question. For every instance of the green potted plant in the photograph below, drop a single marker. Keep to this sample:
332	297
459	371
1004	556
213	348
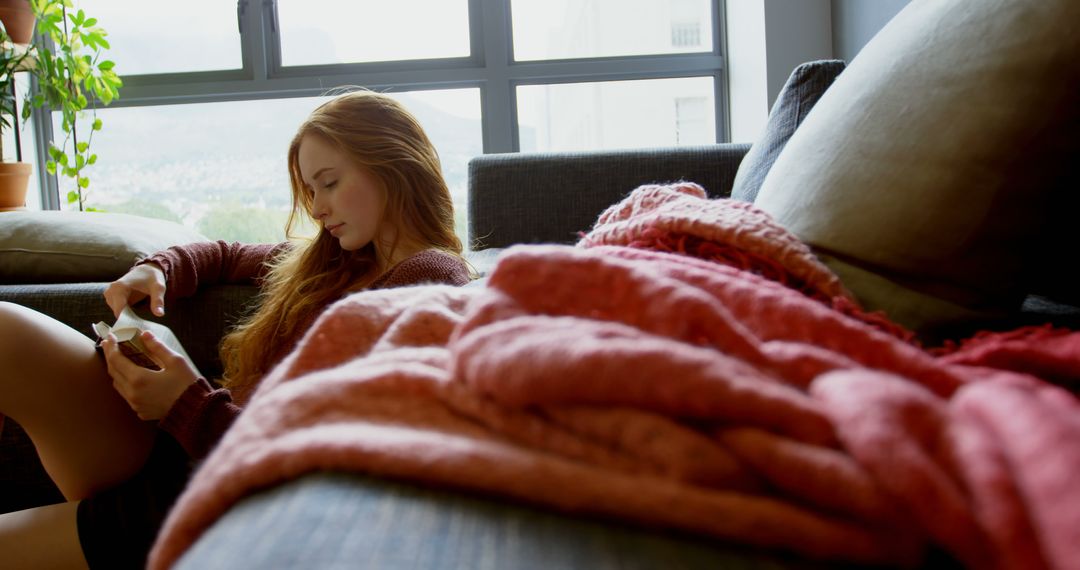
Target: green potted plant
67	58
14	176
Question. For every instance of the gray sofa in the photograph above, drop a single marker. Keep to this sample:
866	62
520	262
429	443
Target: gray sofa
330	520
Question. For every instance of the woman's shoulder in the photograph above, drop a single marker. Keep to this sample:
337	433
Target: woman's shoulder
427	266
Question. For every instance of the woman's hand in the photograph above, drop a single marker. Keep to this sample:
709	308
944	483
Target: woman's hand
150	393
140	282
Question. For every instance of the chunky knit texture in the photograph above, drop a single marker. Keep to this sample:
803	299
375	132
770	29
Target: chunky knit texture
665	389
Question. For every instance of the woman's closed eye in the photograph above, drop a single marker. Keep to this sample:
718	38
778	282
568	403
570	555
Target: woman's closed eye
329	185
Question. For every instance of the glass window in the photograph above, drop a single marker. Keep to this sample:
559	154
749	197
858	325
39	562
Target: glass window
693	125
154	36
221	167
451	117
566	29
317	32
616	114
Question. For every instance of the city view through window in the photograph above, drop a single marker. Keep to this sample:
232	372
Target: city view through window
221	167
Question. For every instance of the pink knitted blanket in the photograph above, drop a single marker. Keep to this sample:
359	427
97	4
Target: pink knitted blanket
741	396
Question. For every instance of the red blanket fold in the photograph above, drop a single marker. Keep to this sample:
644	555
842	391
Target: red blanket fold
669	390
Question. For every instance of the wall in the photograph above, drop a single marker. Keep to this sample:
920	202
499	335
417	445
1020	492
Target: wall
798	31
766	39
854	22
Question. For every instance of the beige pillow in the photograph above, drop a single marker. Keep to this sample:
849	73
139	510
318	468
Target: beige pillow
928	174
60	247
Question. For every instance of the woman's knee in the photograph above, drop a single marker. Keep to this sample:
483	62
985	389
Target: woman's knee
14	320
12	316
39	355
27	333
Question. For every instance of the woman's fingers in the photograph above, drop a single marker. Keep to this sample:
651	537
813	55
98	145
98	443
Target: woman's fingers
157	303
139	282
149	393
116	297
159	351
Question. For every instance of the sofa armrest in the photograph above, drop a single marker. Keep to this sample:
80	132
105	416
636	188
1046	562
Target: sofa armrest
367	522
550	197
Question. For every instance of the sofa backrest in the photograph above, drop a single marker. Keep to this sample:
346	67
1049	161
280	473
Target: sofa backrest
551	197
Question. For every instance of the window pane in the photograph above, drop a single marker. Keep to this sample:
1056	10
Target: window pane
315	32
153	36
220	167
566	29
616	114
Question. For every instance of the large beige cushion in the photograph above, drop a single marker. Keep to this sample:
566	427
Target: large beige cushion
60	247
936	164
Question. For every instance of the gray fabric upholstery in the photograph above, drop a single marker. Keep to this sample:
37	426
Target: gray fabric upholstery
23	481
550	197
804	87
332	520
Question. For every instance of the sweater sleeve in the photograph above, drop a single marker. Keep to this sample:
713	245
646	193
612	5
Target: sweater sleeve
200	417
188	267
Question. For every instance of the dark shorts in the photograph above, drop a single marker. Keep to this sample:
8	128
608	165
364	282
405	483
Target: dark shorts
118	526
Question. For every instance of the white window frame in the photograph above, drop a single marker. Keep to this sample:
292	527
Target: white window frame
490	68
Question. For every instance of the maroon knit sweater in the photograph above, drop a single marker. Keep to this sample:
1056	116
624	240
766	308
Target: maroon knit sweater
202	414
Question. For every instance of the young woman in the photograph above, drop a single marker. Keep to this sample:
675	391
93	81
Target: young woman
364	170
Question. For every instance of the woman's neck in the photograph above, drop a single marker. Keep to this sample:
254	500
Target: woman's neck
403	250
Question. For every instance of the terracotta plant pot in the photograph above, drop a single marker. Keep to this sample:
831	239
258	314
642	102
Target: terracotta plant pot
14	179
18	20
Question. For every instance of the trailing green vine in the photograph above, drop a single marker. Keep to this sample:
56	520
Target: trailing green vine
69	67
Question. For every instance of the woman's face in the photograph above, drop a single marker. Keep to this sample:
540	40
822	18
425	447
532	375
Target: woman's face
348	201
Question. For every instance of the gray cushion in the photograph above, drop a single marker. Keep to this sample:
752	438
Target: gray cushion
65	247
551	197
803	89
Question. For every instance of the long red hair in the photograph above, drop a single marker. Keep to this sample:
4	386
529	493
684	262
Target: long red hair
386	140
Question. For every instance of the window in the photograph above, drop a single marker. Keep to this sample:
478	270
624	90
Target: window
561	29
319	32
693	121
146	37
616	114
221	168
211	101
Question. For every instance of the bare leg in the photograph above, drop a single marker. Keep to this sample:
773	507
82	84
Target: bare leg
43	537
53	382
